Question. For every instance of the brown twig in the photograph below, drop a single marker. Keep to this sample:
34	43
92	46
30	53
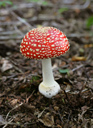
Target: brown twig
15	65
22	20
80	66
18	30
10	23
27	99
12	110
79	35
85	5
9	32
10	37
18	7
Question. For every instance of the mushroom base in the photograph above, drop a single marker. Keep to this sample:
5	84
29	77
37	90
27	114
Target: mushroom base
49	91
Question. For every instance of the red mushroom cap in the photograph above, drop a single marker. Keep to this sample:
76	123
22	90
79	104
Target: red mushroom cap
43	43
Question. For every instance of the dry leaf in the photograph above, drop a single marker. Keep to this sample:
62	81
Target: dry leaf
78	58
14	102
68	88
88	45
84	110
47	120
6	65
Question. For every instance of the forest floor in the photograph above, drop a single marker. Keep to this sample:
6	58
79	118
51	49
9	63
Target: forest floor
21	104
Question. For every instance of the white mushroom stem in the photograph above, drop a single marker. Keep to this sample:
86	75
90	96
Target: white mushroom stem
48	78
49	87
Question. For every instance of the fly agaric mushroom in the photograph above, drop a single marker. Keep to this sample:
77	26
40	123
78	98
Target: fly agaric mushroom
45	43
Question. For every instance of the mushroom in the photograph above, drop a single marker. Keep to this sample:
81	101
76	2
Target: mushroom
44	43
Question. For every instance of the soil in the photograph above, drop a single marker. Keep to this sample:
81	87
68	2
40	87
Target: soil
21	104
